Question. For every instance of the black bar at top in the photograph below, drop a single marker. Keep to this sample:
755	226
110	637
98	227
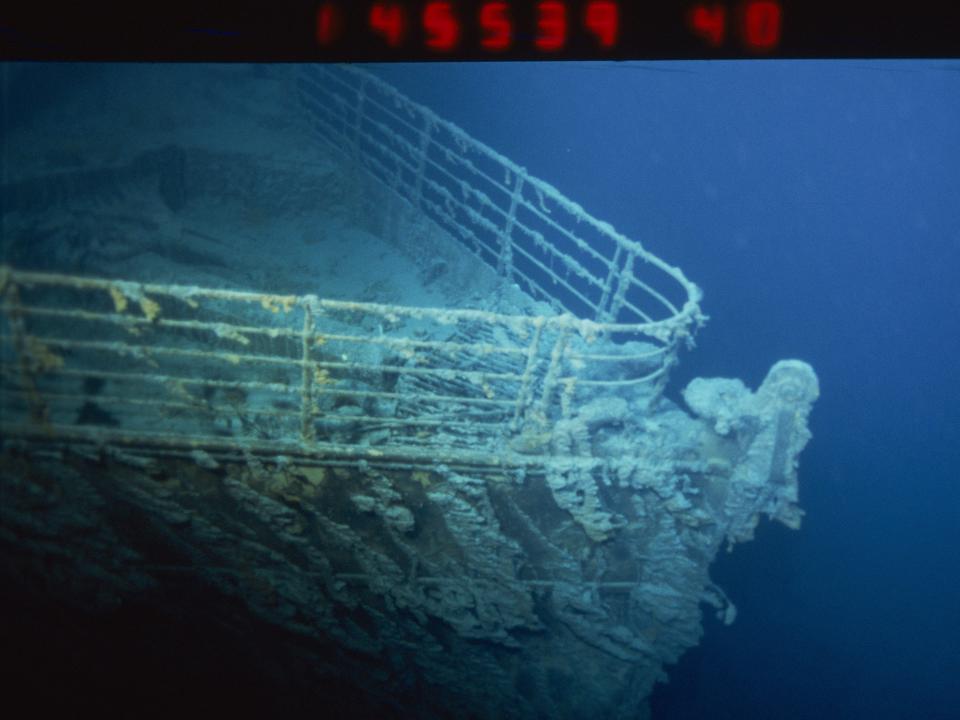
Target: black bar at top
285	30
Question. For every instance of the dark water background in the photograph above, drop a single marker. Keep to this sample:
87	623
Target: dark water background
818	205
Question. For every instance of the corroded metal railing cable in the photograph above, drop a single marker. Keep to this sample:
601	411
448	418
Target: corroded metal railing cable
518	224
98	360
177	368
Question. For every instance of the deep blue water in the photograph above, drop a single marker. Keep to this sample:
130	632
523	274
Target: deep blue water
818	205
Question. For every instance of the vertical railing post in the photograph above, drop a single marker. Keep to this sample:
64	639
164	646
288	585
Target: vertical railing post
624	280
307	430
355	172
358	117
601	315
393	212
612	300
526	380
505	259
422	160
39	412
550	378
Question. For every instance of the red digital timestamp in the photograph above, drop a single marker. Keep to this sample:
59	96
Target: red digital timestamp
549	27
759	23
443	22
